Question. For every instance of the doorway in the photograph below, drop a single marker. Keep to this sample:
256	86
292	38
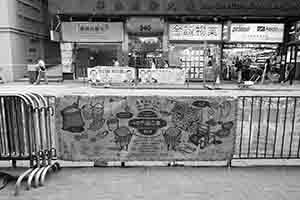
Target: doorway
92	55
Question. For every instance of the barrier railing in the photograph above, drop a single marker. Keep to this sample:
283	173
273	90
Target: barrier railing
268	128
25	134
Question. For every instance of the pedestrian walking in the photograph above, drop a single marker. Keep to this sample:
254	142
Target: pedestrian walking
41	71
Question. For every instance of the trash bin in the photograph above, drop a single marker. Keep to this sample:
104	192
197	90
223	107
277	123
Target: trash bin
32	73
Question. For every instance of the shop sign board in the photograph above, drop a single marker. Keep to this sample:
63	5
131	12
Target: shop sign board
66	50
165	76
200	32
92	32
140	25
109	74
145	128
265	33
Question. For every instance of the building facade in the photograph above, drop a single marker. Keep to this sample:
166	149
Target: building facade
204	36
24	35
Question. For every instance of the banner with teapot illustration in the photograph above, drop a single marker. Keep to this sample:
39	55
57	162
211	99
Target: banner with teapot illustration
145	128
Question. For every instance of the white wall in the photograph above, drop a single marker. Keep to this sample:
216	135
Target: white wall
5	57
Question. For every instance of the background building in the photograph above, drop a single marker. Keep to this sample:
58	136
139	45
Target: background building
24	36
184	32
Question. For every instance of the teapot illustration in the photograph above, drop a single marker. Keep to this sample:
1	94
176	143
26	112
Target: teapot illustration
72	118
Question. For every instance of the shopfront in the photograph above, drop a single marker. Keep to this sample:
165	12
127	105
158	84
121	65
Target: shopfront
197	48
253	44
90	44
292	59
145	41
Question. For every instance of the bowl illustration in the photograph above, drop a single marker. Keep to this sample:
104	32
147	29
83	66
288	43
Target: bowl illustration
123	137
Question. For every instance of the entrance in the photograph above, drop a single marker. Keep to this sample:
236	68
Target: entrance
91	55
142	49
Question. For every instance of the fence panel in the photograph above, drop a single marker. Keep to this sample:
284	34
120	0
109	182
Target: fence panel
268	127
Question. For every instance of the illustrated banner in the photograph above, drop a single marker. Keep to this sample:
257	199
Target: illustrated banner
108	74
167	76
145	128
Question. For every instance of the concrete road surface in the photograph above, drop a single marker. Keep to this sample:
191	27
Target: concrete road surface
162	183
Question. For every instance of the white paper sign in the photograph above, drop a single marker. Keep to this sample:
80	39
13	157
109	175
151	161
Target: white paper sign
168	76
108	74
267	33
202	32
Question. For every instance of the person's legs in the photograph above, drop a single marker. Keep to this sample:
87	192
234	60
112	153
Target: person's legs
45	77
292	76
38	79
239	76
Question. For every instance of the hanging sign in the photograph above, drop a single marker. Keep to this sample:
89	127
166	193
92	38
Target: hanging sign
144	25
267	33
92	32
66	50
202	32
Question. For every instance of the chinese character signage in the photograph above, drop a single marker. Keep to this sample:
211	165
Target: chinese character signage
92	32
132	127
66	50
108	74
201	32
267	33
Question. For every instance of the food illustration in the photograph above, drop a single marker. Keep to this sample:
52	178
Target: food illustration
97	117
172	137
146	127
112	124
126	114
147	123
123	137
72	118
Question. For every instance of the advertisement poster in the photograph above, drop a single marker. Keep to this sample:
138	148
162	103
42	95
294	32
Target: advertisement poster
109	74
271	33
167	76
195	32
145	128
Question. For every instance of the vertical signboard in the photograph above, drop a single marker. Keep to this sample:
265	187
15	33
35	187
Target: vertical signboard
66	50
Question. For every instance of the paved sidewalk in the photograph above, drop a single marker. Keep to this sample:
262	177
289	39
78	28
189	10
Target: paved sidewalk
57	89
157	183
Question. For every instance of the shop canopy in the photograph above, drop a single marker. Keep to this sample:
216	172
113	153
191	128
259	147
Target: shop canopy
257	8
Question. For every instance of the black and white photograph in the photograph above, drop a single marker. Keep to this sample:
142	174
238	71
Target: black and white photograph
150	99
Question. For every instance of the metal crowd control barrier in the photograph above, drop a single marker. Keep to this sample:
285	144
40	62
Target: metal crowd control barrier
25	134
268	128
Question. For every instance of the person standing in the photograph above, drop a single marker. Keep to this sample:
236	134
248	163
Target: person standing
41	71
166	65
291	74
267	68
153	64
239	66
116	62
